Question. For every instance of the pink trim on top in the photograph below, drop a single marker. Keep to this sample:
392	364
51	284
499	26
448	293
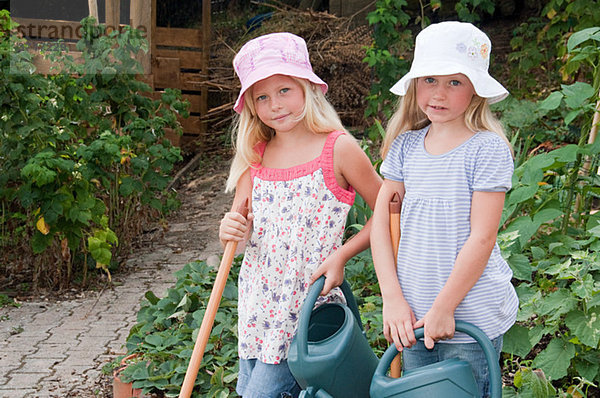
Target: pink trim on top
324	161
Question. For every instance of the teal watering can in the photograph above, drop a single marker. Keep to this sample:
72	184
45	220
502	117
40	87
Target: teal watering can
452	378
330	355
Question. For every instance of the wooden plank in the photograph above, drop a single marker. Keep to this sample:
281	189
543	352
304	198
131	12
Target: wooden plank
49	29
191	125
47	67
40	44
140	12
172	136
192	81
152	43
93	8
195	102
113	14
148	79
206	29
179	37
188	59
167	73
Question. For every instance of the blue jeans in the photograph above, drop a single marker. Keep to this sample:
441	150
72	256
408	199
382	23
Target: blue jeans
418	356
263	380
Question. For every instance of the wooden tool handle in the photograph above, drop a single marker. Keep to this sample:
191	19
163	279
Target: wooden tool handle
395	206
211	312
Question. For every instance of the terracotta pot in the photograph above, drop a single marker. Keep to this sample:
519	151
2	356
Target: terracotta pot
120	388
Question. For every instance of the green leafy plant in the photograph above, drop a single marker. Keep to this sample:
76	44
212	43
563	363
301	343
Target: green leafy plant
166	331
391	41
6	301
84	157
468	10
551	240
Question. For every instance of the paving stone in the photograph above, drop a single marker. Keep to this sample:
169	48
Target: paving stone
83	358
65	372
43	353
52	350
16	393
8	357
39	365
18	380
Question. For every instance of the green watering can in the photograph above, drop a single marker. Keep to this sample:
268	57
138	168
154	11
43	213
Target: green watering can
452	378
330	355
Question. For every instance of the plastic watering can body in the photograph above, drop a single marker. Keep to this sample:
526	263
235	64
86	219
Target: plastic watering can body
452	378
330	355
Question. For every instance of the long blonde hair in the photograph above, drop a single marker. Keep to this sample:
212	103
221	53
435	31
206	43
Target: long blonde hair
408	116
318	116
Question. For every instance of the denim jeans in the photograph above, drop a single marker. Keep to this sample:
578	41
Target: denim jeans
418	356
262	380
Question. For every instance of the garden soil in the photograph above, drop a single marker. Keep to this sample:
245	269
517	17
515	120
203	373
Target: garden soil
56	346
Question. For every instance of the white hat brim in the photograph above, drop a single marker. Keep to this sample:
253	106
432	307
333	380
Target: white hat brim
485	86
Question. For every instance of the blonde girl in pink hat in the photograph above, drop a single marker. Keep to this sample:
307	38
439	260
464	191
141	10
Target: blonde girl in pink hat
447	157
300	170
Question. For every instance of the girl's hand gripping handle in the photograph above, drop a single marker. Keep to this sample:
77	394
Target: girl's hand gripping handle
235	224
211	312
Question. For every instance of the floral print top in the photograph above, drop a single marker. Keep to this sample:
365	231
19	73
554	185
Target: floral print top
299	219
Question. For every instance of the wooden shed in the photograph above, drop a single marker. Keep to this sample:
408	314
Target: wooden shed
177	57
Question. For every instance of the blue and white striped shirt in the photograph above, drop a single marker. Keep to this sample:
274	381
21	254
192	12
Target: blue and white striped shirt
435	223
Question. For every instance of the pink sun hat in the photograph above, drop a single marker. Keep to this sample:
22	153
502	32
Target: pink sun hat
273	54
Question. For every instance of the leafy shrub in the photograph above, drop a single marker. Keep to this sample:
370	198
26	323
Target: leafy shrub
83	153
166	332
391	41
540	46
551	239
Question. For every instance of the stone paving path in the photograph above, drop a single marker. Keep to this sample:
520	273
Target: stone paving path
58	348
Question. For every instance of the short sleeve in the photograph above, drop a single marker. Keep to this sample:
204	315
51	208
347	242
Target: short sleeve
391	167
494	166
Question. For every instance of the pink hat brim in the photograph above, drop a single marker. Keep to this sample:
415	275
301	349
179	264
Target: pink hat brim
261	74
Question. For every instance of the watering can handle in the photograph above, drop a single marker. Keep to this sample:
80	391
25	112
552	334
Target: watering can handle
474	332
306	311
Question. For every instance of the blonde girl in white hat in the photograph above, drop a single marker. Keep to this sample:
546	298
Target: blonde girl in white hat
447	157
300	170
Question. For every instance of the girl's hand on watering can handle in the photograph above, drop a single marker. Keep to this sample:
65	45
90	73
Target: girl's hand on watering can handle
333	269
234	227
438	325
398	321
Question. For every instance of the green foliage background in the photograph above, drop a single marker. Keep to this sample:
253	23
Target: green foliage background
82	154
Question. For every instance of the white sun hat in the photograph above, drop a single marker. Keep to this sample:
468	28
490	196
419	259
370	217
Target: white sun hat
453	47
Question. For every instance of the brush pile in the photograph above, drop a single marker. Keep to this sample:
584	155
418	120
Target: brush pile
336	46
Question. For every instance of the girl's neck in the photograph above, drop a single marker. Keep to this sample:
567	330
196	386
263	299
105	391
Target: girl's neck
442	138
287	150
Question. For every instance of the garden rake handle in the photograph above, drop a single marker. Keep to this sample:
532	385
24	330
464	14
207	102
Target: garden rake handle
211	312
395	206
